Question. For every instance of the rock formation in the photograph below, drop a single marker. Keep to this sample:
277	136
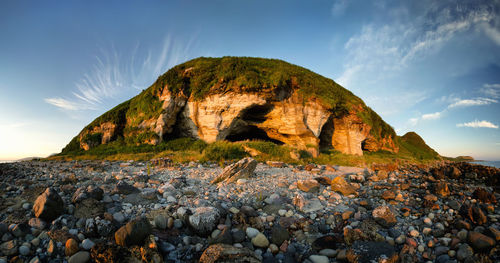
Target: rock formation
235	99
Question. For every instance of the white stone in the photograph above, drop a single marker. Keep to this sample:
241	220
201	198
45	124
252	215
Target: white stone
251	232
318	259
331	253
87	244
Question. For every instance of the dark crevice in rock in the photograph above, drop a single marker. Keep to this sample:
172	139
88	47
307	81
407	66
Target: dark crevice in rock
250	132
363	145
325	137
256	113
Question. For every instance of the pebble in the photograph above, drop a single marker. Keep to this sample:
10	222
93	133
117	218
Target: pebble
119	217
400	239
331	253
160	222
80	257
260	240
319	259
24	250
87	244
251	232
414	233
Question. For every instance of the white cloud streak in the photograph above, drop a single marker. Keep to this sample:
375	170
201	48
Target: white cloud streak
472	102
478	124
431	116
65	104
114	74
457	103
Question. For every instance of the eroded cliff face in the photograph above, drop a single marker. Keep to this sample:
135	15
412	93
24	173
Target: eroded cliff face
349	134
239	116
288	119
101	134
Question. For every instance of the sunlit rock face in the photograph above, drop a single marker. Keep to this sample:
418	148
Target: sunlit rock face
293	121
243	99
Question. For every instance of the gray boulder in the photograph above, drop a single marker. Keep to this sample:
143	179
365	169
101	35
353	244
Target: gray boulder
49	205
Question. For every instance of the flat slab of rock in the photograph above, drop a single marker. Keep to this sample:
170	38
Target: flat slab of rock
339	184
227	253
307	205
308	186
244	168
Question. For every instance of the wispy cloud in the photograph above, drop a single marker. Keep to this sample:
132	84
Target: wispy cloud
431	116
472	102
66	104
492	90
115	73
478	124
388	48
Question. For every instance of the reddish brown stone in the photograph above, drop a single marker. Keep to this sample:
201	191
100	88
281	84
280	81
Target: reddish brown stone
388	195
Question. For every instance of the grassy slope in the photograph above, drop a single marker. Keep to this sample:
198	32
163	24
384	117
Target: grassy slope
412	144
186	150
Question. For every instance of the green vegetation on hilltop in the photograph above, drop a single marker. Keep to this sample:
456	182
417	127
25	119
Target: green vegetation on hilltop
204	76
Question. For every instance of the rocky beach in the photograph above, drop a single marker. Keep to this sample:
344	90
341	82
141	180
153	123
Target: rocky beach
158	211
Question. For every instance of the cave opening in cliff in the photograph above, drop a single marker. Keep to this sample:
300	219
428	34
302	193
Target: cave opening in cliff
256	113
325	137
363	145
250	133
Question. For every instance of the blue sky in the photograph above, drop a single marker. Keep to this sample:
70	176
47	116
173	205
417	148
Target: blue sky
427	66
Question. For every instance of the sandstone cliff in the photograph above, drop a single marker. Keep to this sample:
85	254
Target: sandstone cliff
235	99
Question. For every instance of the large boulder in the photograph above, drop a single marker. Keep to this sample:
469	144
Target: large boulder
49	205
123	188
339	184
244	168
384	216
309	185
204	219
133	233
90	191
480	242
222	253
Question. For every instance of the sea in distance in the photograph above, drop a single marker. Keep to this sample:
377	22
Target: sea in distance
488	163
